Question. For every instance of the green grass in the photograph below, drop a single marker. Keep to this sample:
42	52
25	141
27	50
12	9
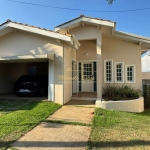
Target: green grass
9	105
22	118
114	130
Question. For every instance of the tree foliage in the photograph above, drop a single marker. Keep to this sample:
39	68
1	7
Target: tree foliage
110	1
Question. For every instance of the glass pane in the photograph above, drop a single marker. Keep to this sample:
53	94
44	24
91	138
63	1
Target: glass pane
85	65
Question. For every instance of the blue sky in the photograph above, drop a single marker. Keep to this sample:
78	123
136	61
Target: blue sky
136	22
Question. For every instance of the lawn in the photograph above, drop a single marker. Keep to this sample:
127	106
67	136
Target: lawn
114	130
17	117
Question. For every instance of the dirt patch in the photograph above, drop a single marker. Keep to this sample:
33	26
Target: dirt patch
53	136
73	114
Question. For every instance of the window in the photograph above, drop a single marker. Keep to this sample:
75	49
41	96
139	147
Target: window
130	73
119	72
108	71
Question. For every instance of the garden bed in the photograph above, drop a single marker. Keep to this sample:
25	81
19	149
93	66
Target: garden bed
136	105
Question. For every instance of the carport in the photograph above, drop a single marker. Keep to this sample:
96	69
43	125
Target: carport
26	49
15	66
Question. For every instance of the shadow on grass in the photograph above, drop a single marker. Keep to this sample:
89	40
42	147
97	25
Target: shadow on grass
116	144
145	113
44	144
8	106
77	144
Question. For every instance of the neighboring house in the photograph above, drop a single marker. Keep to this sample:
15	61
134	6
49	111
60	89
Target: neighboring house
146	78
82	55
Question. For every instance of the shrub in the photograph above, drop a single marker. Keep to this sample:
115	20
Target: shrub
115	92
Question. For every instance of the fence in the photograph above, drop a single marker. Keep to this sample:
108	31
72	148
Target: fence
146	95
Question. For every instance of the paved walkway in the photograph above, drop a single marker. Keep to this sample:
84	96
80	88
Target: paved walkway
73	114
54	136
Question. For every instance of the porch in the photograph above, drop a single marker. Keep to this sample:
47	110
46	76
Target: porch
84	96
85	70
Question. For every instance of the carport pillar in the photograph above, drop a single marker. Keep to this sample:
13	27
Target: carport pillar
99	67
51	81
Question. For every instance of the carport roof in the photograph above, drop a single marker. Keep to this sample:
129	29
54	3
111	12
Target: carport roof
10	26
27	58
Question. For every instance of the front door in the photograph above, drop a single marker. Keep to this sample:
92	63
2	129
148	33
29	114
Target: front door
87	77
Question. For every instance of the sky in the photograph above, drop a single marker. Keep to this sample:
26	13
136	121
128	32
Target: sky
136	22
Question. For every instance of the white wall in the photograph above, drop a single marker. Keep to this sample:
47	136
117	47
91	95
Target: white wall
24	43
69	54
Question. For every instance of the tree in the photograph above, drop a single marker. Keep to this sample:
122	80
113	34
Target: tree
110	1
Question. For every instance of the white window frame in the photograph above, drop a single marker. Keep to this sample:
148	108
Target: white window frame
116	63
105	61
126	75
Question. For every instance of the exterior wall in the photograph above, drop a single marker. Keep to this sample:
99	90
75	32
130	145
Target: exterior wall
88	46
86	32
59	71
69	54
123	51
24	43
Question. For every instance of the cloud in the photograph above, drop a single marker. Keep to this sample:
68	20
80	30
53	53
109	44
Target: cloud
145	63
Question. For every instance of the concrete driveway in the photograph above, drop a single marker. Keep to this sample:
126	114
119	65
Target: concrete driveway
55	136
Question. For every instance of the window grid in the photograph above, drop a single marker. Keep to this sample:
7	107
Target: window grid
87	70
130	73
119	72
108	71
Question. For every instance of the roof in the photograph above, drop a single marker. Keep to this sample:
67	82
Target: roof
82	16
141	40
32	26
85	19
9	26
133	35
